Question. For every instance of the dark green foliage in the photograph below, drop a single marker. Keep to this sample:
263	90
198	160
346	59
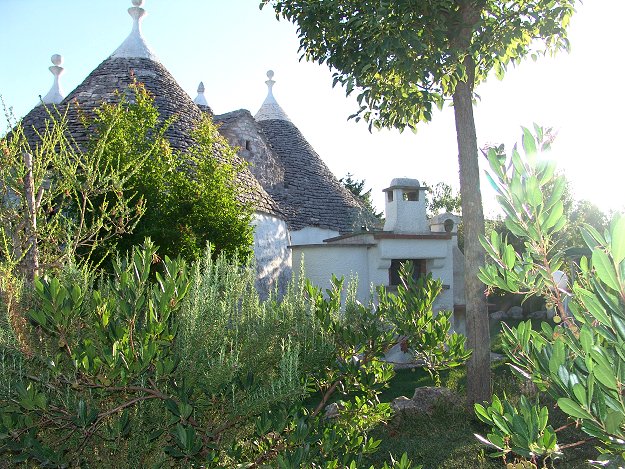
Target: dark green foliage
156	364
191	198
357	188
57	200
426	334
524	431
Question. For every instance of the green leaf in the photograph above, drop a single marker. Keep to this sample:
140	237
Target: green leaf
618	240
555	215
605	376
482	414
529	144
594	306
509	256
534	194
580	394
613	422
570	407
605	269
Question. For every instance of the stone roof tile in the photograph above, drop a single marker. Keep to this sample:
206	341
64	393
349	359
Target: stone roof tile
312	196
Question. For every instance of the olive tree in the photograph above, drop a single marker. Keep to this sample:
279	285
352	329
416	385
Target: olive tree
404	57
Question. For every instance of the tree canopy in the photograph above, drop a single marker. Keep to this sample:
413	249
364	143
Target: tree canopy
357	187
406	56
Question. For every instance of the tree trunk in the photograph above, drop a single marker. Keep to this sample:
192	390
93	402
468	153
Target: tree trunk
478	369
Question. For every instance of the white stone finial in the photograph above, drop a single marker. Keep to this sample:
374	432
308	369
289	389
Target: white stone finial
270	83
200	100
135	46
56	94
271	110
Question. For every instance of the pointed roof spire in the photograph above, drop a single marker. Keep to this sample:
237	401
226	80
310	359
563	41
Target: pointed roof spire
271	110
56	93
135	46
200	100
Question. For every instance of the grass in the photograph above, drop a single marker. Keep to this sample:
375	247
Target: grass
446	439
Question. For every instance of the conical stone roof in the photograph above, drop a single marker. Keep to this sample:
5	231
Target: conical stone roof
113	76
311	195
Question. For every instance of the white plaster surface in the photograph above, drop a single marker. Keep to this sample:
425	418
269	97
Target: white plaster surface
371	263
312	235
200	99
56	93
320	262
272	253
437	222
406	216
135	46
270	109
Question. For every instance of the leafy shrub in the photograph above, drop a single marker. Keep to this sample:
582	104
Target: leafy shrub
579	362
158	364
425	334
192	197
57	200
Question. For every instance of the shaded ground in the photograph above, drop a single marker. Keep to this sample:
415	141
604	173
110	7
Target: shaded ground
446	439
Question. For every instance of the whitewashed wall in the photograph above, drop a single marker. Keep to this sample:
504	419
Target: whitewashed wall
320	262
272	253
371	263
312	235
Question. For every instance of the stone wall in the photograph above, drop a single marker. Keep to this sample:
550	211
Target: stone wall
242	131
272	253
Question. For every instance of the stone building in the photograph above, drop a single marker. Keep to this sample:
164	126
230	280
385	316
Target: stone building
375	257
301	209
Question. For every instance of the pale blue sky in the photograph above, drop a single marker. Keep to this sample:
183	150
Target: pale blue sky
230	45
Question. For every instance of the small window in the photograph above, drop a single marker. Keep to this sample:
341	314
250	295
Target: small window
411	196
248	145
389	196
449	225
419	269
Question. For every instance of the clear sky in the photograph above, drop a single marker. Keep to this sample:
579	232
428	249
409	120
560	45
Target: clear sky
230	45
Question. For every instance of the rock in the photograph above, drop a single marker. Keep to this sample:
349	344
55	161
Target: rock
332	411
424	401
516	312
497	315
403	404
538	315
427	397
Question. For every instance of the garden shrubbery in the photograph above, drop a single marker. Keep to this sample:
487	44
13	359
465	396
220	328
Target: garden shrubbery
162	363
580	362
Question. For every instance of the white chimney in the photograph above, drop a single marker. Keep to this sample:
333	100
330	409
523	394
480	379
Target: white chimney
405	207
